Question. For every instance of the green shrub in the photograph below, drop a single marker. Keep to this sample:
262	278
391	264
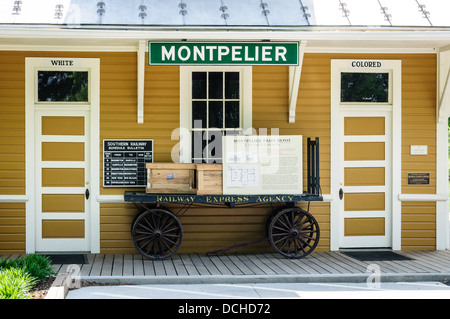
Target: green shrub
18	276
15	283
38	266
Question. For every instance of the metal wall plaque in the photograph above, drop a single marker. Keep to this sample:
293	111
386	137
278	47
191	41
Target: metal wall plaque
124	162
418	178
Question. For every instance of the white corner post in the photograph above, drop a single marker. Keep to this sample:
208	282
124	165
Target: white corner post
443	112
294	82
141	80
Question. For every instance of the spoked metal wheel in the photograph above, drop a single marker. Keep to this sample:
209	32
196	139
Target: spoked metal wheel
294	233
157	233
271	216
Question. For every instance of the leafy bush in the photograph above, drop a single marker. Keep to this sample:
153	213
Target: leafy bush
18	276
36	265
15	283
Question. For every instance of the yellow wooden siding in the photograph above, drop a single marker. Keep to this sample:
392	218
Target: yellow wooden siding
12	124
204	229
12	151
271	110
218	228
12	228
418	226
313	119
118	106
419	128
419	121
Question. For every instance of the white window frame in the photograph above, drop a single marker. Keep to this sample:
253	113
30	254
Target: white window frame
186	104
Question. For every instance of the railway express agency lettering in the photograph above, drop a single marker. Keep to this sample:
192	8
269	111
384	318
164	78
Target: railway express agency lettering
224	199
199	53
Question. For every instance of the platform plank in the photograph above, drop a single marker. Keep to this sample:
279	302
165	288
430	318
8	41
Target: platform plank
261	264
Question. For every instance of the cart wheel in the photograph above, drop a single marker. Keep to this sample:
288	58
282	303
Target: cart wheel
157	233
294	233
271	216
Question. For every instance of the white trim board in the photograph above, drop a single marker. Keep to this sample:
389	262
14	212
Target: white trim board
422	197
13	198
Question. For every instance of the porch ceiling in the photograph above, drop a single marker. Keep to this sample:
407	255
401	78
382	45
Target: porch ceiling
359	40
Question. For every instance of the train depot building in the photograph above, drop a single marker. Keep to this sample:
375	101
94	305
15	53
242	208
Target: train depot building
93	91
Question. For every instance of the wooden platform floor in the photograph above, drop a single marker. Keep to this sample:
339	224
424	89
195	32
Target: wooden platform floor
265	264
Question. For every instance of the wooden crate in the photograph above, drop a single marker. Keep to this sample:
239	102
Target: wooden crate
170	178
209	179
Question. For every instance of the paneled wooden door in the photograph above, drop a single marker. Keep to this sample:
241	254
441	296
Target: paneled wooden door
62	181
365	179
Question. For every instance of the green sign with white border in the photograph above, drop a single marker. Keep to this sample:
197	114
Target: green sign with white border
223	53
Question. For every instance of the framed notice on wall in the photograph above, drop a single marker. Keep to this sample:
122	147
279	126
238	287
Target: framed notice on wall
124	162
255	165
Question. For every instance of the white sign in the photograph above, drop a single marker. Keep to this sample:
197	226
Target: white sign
254	165
419	150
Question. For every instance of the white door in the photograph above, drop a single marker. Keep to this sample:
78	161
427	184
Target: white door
62	161
62	181
363	101
365	174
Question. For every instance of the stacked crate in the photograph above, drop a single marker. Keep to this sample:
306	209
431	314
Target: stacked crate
174	178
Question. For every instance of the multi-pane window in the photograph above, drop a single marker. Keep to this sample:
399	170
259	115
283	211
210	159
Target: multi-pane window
216	111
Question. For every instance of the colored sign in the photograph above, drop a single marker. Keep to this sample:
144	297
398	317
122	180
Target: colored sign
223	53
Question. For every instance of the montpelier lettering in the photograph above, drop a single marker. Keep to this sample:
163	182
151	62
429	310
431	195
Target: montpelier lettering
220	52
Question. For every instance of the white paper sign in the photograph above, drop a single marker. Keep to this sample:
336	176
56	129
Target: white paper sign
419	150
255	165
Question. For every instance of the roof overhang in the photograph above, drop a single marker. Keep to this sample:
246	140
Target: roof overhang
338	39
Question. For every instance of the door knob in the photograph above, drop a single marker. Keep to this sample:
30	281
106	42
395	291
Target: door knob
341	193
87	193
